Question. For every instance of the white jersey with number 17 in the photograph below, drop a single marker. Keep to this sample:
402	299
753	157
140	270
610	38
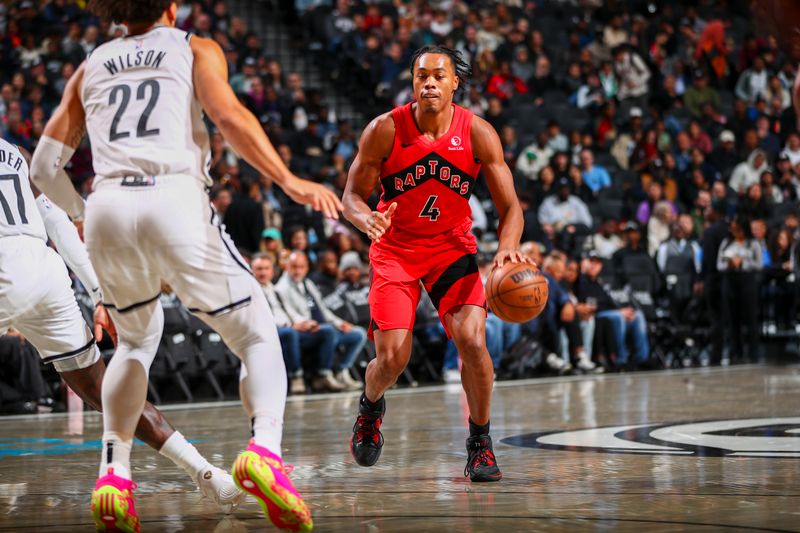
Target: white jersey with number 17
142	115
18	212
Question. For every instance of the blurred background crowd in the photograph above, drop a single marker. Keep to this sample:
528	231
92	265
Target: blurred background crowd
654	147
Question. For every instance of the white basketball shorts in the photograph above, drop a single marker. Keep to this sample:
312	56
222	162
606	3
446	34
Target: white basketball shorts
36	298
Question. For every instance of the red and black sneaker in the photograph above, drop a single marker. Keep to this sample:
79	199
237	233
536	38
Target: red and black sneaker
367	440
481	462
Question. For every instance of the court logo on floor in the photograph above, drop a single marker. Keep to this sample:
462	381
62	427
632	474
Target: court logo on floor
752	437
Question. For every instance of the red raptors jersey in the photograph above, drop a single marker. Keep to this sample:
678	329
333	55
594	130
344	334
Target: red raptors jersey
431	181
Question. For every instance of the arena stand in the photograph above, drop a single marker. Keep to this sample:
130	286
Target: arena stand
671	127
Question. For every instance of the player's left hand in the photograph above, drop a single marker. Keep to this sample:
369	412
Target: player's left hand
511	256
102	321
319	197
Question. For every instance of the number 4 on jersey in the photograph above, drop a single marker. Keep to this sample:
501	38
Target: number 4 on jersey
429	211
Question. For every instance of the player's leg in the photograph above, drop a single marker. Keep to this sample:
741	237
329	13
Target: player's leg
198	260
392	307
467	325
251	335
392	352
155	430
457	292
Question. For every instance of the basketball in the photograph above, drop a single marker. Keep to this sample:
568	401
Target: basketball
516	292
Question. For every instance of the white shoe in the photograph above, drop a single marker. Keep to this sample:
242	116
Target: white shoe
587	366
554	362
452	376
345	378
297	385
217	485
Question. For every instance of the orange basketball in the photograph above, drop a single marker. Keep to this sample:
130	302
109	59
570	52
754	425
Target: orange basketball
516	293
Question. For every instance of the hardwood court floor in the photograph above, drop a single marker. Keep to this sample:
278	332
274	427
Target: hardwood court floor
666	473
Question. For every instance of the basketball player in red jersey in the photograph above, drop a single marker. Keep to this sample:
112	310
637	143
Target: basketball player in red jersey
427	156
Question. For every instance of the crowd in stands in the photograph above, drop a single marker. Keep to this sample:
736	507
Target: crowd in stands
654	148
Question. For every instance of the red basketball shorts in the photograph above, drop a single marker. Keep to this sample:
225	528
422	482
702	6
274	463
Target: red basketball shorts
450	277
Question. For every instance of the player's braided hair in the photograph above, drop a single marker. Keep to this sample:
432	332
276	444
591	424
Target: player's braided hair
131	11
462	68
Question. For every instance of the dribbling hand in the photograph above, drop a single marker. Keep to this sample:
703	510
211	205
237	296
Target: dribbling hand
378	223
102	321
319	197
511	256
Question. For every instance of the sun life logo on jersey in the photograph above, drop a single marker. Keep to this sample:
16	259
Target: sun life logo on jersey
455	143
753	437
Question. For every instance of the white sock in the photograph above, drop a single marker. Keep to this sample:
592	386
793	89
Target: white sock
267	429
249	333
116	454
181	452
267	432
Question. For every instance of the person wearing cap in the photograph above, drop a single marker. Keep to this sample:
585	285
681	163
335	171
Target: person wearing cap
699	94
240	82
724	157
634	252
271	243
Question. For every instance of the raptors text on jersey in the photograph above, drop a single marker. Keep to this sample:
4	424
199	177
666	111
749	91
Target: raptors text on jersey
431	181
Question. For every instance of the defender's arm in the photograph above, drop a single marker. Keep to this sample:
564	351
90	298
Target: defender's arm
61	136
243	131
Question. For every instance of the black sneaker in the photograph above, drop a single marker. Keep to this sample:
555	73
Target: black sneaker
481	462
367	440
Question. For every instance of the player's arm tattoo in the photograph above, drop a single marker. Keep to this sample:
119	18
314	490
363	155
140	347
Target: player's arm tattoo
76	136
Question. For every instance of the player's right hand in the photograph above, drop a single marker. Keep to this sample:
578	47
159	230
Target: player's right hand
102	321
317	196
378	222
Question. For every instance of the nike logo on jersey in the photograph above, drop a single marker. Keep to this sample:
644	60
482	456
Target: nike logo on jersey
406	145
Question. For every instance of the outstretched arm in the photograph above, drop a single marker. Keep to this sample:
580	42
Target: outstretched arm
375	146
243	131
487	148
61	136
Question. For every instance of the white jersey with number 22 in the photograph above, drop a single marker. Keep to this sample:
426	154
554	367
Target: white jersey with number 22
142	116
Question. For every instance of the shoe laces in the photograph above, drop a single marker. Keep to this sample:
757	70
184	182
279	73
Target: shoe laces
367	429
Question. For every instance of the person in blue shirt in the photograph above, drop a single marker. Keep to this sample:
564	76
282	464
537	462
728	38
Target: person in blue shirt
595	177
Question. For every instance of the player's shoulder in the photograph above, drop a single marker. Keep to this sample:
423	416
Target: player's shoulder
378	137
381	125
204	43
481	126
483	136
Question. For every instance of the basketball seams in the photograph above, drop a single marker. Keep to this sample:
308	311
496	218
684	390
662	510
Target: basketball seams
500	306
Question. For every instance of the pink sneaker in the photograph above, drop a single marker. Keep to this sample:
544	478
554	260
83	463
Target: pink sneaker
261	473
113	507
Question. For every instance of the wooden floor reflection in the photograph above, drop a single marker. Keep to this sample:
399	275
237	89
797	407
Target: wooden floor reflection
692	478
